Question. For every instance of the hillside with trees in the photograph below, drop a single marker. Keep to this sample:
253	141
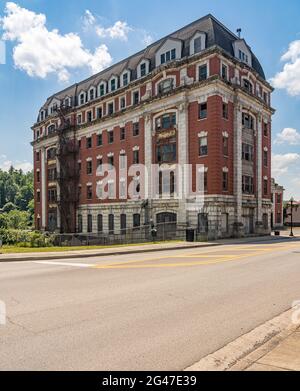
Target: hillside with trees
16	199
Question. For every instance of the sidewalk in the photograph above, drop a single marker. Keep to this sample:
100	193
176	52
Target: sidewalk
272	346
145	248
284	357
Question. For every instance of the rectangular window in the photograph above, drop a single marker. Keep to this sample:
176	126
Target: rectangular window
278	198
248	121
225	110
122	134
99	112
197	45
38	176
99	166
52	195
266	130
89	143
266	186
163	58
203	72
79	119
203	111
203	146
89	168
89	116
89	192
110	137
113	85
266	158
38	197
225	181
111	161
110	108
225	146
173	54
51	174
122	103
125	79
136	129
99	140
136	220
247	152
167	153
102	89
224	72
143	69
136	157
248	184
37	156
136	98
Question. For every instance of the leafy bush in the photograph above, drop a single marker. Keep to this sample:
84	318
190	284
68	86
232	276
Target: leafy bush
23	238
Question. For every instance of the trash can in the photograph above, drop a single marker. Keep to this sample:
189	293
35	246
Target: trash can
190	235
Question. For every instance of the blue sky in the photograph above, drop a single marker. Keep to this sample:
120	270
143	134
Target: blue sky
270	27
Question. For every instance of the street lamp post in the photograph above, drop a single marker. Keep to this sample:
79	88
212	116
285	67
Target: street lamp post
291	214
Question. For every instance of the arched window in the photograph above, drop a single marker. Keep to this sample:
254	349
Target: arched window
111	224
100	223
247	85
90	223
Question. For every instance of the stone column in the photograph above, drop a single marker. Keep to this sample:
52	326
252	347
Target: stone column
183	160
44	188
259	163
148	163
238	169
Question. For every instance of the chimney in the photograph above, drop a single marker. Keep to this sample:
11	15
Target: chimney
239	31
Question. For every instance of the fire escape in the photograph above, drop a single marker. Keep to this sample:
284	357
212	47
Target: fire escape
68	175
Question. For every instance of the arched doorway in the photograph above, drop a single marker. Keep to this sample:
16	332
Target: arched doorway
166	225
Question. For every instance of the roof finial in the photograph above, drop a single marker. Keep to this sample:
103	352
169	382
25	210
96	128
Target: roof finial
239	31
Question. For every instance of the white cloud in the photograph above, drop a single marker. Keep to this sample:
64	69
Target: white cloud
288	136
282	164
40	52
147	39
119	30
289	77
88	20
5	165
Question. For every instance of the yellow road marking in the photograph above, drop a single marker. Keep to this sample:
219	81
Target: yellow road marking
218	258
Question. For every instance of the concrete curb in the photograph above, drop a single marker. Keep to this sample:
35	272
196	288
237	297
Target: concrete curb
249	348
44	257
101	254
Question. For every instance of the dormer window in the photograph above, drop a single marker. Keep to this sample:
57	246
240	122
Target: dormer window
168	56
102	89
82	99
143	68
42	116
197	43
92	94
243	56
125	79
51	129
113	85
67	102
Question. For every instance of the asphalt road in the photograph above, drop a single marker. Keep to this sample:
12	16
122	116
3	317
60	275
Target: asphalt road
157	311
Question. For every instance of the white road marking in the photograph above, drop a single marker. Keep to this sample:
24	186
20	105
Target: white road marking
80	265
